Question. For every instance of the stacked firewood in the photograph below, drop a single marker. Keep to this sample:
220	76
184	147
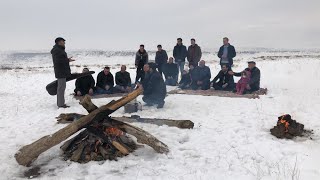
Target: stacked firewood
101	136
98	142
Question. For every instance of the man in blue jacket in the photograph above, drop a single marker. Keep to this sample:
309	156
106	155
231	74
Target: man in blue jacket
180	53
201	77
226	53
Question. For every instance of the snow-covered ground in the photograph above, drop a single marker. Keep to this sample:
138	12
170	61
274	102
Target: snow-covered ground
231	138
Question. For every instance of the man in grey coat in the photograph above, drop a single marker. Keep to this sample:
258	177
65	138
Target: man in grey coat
194	53
61	69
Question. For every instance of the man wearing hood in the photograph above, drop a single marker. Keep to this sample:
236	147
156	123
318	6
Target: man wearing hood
61	69
180	53
194	53
140	60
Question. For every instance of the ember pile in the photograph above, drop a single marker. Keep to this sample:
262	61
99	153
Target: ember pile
287	128
98	142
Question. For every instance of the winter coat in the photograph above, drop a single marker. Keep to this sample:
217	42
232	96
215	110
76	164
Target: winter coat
194	54
223	78
103	80
161	57
84	84
142	58
60	62
123	78
170	70
180	53
154	86
254	81
231	54
202	74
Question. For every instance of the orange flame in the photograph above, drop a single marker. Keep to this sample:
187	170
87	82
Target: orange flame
286	124
114	131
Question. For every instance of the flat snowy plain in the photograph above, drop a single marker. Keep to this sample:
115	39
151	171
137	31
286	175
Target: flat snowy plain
231	138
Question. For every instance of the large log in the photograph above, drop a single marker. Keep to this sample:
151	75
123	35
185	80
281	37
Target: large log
182	124
27	154
142	136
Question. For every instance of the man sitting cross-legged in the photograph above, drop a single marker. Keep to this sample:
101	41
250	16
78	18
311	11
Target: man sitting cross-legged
201	77
123	80
171	72
225	80
84	85
254	82
105	81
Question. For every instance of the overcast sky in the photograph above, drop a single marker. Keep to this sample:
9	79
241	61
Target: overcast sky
124	24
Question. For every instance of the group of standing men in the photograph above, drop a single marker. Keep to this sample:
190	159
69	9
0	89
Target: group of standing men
149	75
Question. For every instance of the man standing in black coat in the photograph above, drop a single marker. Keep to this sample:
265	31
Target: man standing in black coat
201	77
171	73
140	60
226	53
61	69
161	58
123	80
194	53
254	83
84	85
180	53
226	81
105	81
154	89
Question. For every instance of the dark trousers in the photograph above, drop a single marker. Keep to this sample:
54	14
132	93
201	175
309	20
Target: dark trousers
140	73
149	99
184	85
103	91
219	87
204	86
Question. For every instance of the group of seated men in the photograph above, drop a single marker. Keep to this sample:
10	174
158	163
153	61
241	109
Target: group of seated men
199	78
154	88
105	82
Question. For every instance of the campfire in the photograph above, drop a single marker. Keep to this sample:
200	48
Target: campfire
101	137
98	142
287	128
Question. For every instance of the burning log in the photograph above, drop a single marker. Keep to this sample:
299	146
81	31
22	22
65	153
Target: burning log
27	154
182	124
287	128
